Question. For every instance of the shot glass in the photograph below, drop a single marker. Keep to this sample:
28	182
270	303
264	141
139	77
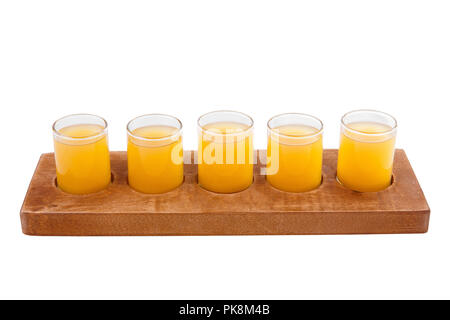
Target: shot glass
294	152
225	151
81	153
366	152
155	153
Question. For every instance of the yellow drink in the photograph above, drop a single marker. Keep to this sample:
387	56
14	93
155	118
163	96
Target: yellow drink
155	158
225	160
294	155
82	158
366	156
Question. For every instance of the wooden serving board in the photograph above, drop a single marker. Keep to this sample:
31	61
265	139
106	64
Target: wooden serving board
191	210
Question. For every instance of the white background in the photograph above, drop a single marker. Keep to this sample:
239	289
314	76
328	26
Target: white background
121	59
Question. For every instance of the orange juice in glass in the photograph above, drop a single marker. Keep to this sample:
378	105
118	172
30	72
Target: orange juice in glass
366	153
225	151
294	152
81	154
155	153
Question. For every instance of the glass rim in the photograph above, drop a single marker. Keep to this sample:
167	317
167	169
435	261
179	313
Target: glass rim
63	136
392	130
168	137
209	132
309	136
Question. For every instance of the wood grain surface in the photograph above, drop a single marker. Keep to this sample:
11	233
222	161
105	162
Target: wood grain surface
191	210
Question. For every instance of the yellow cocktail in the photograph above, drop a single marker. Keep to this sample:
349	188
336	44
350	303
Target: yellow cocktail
366	154
294	152
81	154
155	154
225	153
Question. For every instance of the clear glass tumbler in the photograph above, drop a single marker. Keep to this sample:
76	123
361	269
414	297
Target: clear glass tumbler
81	153
155	153
366	153
294	152
225	151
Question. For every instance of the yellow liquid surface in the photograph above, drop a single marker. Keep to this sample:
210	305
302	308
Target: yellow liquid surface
294	159
225	161
365	161
82	166
155	166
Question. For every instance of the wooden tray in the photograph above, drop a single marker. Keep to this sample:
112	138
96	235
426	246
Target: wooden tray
191	210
